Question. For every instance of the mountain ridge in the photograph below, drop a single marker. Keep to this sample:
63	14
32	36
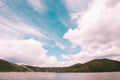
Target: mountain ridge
99	65
96	65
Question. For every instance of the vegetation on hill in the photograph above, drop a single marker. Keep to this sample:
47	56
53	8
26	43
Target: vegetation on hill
97	65
6	66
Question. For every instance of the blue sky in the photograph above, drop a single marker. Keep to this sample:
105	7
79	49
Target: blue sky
52	21
60	32
50	18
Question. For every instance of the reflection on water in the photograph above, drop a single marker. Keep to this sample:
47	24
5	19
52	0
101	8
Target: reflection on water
60	76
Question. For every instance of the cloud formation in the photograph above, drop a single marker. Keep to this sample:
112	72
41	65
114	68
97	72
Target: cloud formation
24	31
97	31
13	43
14	29
76	5
37	5
30	52
26	52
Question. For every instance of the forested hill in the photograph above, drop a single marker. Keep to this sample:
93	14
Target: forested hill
97	65
6	66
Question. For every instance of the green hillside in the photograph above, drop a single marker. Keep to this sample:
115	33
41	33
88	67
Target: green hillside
97	65
6	66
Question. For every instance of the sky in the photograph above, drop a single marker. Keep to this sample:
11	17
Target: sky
56	33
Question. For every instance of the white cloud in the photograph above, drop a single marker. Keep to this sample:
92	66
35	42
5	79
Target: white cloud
60	45
36	4
76	5
97	32
1	4
26	52
10	29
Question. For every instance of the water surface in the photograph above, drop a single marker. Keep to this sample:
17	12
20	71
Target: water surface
59	76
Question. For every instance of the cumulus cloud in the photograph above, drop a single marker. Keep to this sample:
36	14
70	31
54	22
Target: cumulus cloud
30	52
97	32
26	52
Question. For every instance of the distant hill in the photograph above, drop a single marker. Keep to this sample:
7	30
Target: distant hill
97	65
76	65
6	66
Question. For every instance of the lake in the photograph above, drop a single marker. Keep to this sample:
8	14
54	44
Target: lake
59	76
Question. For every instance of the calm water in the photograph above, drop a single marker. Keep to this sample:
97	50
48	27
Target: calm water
60	76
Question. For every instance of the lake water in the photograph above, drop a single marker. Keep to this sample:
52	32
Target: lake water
60	76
